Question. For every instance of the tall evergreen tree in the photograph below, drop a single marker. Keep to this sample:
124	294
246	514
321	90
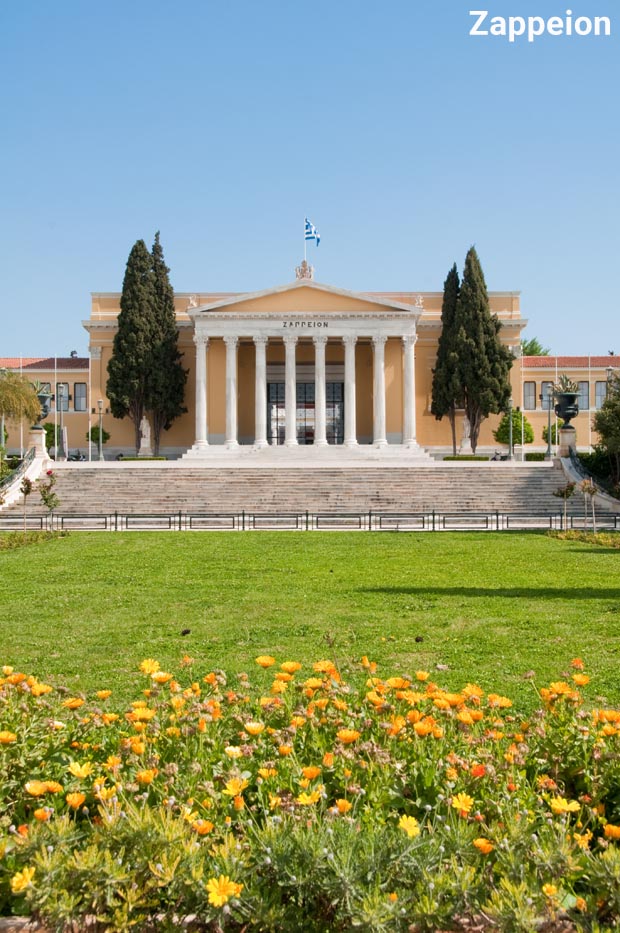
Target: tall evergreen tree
166	384
132	355
484	363
446	385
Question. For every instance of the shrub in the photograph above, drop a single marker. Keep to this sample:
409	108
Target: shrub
534	456
307	802
465	457
502	434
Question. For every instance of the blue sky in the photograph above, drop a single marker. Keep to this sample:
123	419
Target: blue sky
404	139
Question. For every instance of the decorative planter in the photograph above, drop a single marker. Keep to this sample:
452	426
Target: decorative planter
567	407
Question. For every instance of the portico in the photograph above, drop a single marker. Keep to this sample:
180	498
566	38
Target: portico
322	333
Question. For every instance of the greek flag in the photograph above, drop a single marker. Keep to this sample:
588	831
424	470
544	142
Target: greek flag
312	233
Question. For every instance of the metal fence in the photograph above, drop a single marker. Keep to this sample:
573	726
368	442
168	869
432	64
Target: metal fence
304	521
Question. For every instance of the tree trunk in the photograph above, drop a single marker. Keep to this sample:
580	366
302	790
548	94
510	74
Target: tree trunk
452	419
593	514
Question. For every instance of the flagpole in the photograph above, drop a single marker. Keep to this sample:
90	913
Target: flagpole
305	243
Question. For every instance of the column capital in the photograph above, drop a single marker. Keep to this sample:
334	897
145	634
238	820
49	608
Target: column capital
350	340
231	341
379	340
260	341
320	340
200	340
410	340
290	340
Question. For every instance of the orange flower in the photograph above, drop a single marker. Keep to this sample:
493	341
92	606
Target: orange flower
202	827
311	772
347	736
75	800
328	760
343	805
422	675
483	845
147	776
578	664
238	802
478	771
265	660
7	738
285	750
43	814
581	679
612	832
254	728
73	703
290	667
104	694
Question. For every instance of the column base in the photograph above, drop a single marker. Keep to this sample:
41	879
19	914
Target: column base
232	445
380	442
291	443
260	445
350	443
411	444
320	443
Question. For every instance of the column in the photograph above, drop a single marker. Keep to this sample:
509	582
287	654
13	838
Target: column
202	428
409	425
260	393
290	394
231	392
379	436
320	432
350	428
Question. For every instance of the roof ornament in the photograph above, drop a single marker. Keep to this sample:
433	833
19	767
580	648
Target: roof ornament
304	271
193	302
419	303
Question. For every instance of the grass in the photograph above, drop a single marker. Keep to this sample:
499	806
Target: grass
85	609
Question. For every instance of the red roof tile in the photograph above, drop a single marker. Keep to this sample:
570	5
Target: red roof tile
570	362
43	362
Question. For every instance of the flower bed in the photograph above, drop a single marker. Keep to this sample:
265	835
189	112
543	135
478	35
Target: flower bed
303	801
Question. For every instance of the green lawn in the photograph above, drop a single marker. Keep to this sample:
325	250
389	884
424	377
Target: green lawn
84	610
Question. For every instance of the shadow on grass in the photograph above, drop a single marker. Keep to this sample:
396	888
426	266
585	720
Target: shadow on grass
521	592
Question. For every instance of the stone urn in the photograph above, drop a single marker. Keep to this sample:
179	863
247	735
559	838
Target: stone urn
567	407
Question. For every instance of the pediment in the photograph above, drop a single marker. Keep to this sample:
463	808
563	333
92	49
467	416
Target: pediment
303	297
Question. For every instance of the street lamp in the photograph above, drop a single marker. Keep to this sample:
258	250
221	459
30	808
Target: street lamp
100	407
510	404
61	454
549	454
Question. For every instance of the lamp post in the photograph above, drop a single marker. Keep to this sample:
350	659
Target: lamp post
100	407
549	454
61	454
510	404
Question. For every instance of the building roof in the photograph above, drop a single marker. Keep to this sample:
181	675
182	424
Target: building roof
571	362
26	363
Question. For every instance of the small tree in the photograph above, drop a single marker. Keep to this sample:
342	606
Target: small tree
484	363
446	391
555	430
93	435
18	398
565	493
588	491
46	490
52	434
26	488
519	421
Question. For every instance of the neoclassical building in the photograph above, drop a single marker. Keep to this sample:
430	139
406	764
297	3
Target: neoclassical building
306	367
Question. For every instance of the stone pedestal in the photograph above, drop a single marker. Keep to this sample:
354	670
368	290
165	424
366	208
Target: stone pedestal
568	441
36	439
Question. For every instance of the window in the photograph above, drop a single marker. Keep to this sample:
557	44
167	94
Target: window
600	394
62	396
79	396
529	396
544	388
584	396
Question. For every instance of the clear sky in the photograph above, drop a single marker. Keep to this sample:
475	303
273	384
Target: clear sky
222	124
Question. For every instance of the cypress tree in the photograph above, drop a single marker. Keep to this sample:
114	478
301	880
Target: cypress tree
166	385
484	363
446	389
131	360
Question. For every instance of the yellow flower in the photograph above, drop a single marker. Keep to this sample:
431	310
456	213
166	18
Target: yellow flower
583	839
265	660
73	703
75	800
483	845
36	788
290	667
463	803
285	750
410	825
266	773
422	675
6	738
274	801
561	805
233	751
343	805
222	889
254	728
80	771
149	666
581	679
161	677
103	694
22	880
612	832
307	800
347	736
147	776
38	690
235	786
549	890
